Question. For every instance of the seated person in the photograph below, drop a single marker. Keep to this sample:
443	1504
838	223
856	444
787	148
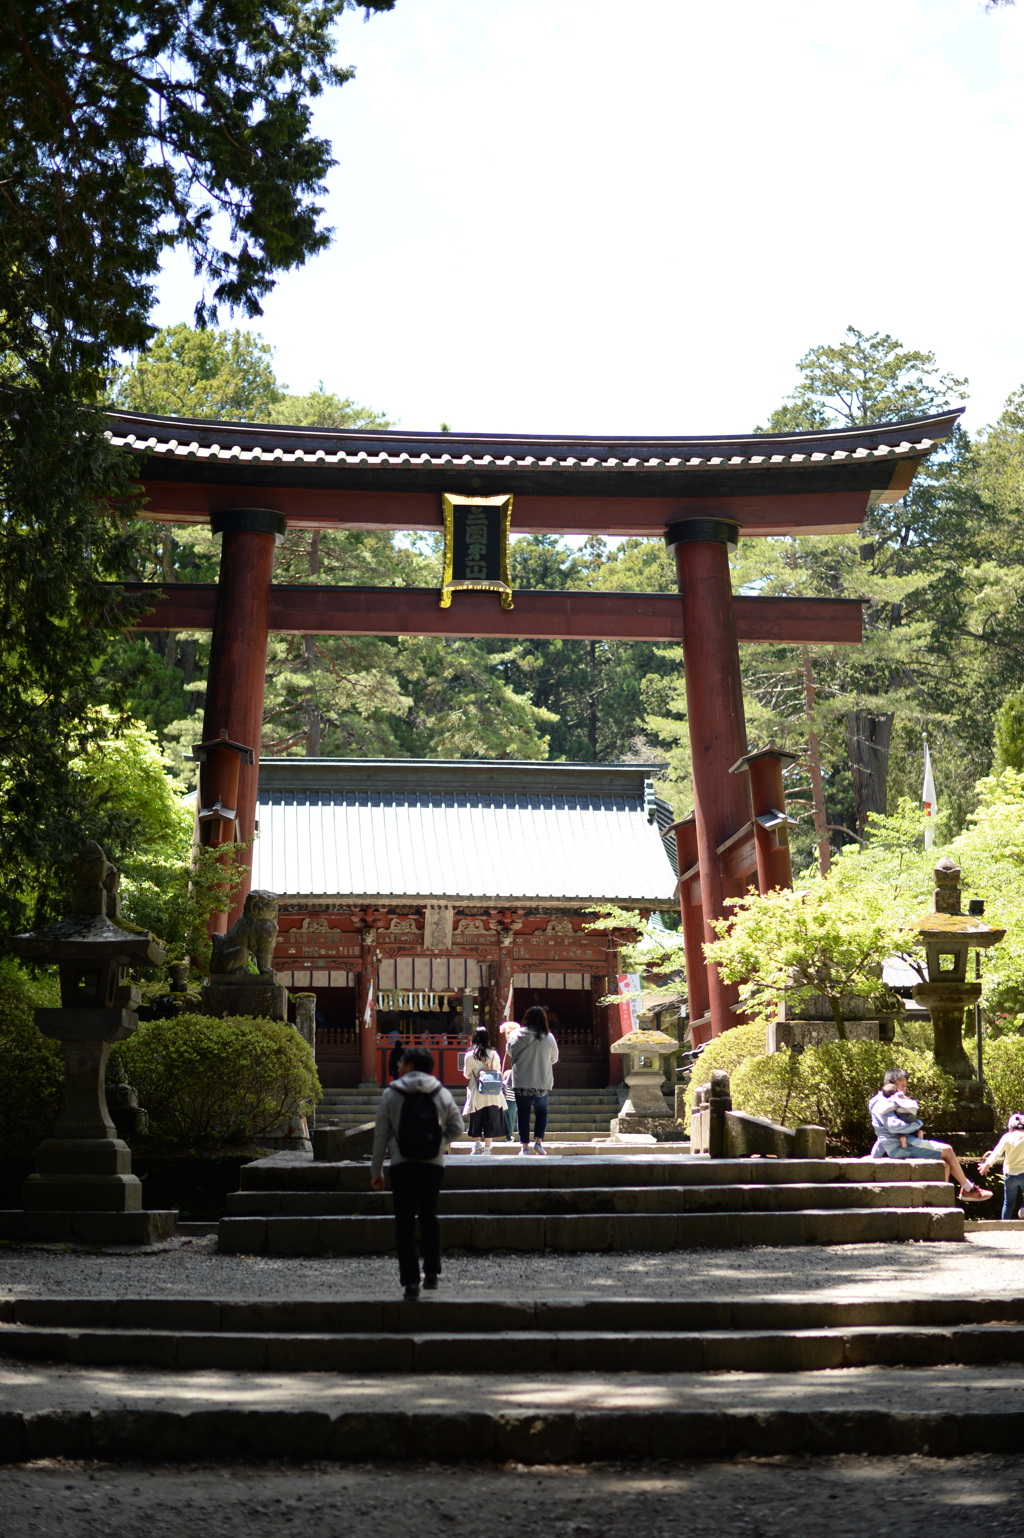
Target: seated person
896	1123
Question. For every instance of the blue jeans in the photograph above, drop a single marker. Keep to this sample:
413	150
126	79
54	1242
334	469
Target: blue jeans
511	1113
539	1105
1013	1190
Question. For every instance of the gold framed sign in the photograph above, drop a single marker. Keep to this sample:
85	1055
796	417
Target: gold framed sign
476	534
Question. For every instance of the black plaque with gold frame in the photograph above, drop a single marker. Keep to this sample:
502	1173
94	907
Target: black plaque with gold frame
476	535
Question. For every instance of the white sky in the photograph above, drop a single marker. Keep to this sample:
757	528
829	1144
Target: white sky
594	216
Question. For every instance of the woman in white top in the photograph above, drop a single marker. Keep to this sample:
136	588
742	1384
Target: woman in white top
482	1070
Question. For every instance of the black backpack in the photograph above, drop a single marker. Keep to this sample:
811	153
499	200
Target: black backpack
420	1134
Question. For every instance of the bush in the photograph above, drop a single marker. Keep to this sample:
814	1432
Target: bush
830	1086
1003	1066
727	1052
31	1065
208	1082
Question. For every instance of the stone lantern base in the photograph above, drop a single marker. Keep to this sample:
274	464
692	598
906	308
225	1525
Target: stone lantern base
135	1230
645	1108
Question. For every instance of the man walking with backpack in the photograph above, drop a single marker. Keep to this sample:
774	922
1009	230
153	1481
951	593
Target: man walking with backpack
416	1120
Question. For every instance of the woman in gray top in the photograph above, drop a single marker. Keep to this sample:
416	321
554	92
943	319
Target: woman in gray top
534	1053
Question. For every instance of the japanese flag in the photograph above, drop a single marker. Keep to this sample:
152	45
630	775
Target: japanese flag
928	798
368	1011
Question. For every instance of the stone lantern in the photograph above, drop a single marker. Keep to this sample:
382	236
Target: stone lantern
948	935
83	1187
644	1110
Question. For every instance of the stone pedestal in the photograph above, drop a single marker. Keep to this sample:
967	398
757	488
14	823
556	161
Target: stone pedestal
305	1018
784	1035
811	1023
644	1097
645	1108
234	993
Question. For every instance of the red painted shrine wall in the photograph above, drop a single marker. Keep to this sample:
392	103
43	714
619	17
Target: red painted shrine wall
327	949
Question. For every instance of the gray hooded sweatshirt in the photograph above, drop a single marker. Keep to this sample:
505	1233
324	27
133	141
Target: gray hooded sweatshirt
533	1057
389	1109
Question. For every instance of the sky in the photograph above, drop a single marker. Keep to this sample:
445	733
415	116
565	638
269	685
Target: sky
588	216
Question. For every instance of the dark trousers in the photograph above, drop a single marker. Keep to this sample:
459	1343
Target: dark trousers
1013	1191
539	1105
415	1189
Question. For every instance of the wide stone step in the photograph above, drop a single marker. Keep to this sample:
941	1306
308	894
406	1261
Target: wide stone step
476	1315
471	1338
528	1201
595	1232
492	1419
646	1166
798	1351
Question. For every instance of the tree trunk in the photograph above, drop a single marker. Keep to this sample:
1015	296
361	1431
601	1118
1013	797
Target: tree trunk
170	640
314	720
867	744
839	1018
814	761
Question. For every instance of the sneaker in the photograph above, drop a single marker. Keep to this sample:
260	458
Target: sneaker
479	1148
975	1194
525	1149
430	1284
539	1148
412	1294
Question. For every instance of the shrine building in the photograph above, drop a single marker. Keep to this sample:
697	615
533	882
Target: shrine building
426	898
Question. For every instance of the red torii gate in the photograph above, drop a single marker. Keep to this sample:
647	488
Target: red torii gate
251	482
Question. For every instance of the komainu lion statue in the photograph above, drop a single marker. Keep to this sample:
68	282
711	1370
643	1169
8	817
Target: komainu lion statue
254	934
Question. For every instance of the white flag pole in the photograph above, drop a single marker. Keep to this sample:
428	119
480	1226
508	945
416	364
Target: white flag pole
928	804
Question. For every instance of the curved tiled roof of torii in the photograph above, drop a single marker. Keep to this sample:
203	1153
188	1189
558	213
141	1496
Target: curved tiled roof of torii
878	459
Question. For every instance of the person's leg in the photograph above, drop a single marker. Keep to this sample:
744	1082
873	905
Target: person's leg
540	1117
429	1189
405	1195
956	1169
1013	1191
523	1104
1009	1197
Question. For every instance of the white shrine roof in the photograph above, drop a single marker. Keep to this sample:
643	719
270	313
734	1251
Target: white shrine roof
409	830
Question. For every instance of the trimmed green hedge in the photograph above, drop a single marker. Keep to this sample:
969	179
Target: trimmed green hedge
1003	1067
830	1086
31	1065
207	1082
727	1052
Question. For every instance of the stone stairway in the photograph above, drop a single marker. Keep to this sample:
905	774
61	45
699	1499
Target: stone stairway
572	1113
289	1205
480	1336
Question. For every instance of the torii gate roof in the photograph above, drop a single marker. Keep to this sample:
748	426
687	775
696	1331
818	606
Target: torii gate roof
769	483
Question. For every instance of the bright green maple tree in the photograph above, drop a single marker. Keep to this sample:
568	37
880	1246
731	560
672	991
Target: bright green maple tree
800	945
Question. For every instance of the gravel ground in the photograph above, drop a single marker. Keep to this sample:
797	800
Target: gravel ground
987	1263
762	1498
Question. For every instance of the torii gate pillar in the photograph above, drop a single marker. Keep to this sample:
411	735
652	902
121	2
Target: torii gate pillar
718	730
238	653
